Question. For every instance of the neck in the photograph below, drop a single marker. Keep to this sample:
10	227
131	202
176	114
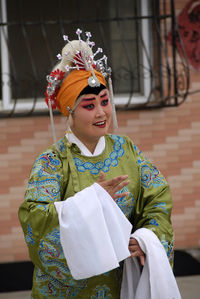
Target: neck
90	144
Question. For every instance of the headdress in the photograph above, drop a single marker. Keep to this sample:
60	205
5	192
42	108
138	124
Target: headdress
76	70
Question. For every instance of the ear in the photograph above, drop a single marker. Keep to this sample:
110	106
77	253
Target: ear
70	121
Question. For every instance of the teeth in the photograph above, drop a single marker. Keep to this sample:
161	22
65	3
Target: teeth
100	123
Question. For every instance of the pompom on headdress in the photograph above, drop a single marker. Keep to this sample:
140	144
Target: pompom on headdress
76	70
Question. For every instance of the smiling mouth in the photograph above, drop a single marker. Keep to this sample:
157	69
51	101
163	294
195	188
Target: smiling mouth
100	123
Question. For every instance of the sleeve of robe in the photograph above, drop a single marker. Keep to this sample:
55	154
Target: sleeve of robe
154	205
38	215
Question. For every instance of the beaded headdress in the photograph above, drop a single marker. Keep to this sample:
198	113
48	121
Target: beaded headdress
77	55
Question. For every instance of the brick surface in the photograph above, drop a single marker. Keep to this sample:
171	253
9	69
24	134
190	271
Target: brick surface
170	137
172	144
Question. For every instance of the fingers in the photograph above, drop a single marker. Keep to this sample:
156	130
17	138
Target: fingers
133	241
117	184
114	185
142	259
118	195
140	255
136	251
114	181
121	185
101	176
117	180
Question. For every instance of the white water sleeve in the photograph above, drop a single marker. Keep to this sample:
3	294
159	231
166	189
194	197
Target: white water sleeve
156	279
94	232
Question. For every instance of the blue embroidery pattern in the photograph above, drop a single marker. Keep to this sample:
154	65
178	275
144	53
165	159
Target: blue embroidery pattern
126	203
95	168
43	190
101	292
150	175
42	207
169	248
60	283
45	182
46	285
46	162
29	237
61	145
161	205
153	222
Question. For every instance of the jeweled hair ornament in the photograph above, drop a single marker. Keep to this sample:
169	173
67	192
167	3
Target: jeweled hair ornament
77	55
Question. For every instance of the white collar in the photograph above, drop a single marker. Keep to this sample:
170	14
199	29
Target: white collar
84	150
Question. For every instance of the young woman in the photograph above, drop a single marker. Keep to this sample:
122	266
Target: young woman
89	190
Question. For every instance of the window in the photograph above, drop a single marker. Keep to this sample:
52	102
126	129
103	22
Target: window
31	37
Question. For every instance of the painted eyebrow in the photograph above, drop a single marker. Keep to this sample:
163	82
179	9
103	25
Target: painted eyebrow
88	99
92	99
103	95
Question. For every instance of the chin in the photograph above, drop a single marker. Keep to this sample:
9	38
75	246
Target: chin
97	136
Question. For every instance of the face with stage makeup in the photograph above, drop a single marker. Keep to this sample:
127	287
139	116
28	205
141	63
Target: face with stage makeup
92	117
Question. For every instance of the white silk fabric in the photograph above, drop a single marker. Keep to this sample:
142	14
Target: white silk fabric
94	232
156	280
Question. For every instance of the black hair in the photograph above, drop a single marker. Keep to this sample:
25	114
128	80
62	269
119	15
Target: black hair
92	90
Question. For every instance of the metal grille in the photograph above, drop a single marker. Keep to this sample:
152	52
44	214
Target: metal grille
33	33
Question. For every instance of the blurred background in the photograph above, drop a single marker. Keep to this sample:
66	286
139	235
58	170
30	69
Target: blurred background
153	47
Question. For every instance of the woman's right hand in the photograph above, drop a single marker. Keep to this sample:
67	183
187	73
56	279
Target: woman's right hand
114	185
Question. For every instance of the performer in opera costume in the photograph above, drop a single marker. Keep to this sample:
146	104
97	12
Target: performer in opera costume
96	215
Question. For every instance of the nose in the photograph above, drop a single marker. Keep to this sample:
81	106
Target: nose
100	111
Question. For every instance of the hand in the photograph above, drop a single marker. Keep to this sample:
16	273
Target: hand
135	250
114	185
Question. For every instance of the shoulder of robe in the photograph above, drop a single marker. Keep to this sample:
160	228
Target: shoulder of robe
116	137
59	151
124	140
51	157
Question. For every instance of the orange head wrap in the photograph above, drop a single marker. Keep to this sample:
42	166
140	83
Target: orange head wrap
72	86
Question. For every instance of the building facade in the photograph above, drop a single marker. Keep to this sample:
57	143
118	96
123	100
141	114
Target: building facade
169	135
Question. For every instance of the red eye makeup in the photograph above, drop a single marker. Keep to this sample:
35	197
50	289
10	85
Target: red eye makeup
88	107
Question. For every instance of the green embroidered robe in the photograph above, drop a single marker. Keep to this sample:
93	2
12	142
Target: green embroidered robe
57	175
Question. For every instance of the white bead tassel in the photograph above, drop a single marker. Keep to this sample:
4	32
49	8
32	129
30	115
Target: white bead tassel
115	124
52	125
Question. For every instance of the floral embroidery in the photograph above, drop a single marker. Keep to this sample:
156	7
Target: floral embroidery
46	284
43	190
42	207
150	175
126	203
46	163
61	145
60	282
161	205
29	236
95	168
44	183
153	222
102	292
169	248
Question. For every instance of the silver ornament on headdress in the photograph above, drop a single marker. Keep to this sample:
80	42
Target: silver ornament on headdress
92	82
83	60
55	82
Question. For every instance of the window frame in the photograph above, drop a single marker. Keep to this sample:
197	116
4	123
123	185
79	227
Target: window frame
7	103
